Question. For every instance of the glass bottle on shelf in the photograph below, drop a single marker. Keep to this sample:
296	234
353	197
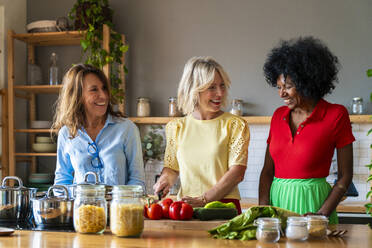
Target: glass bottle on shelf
53	70
143	107
237	107
173	110
357	106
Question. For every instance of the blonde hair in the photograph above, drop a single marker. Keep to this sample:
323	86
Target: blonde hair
198	75
70	110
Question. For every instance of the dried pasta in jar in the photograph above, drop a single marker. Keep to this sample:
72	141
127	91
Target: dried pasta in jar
126	220
90	219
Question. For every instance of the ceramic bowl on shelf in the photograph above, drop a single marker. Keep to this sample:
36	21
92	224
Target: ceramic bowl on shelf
44	139
41	124
44	147
42	26
41	178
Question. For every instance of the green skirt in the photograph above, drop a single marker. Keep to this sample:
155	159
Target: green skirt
301	195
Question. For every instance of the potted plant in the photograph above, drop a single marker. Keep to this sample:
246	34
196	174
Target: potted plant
369	194
153	144
90	15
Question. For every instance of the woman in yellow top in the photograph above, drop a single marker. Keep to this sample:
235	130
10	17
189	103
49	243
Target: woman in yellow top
208	148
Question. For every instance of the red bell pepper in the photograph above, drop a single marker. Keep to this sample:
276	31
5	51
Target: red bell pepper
165	204
180	210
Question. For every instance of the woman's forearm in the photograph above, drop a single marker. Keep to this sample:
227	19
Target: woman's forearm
345	175
266	179
224	186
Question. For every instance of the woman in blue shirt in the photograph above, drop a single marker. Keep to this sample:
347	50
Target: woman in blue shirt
93	137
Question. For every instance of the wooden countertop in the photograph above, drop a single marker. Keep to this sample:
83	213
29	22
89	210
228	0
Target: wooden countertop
343	207
358	236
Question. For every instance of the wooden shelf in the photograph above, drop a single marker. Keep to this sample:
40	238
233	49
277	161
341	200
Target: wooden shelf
249	119
33	130
361	118
36	154
51	38
43	89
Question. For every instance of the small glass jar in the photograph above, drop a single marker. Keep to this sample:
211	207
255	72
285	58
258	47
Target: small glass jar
173	110
357	106
126	211
143	107
317	226
90	209
296	228
268	230
237	107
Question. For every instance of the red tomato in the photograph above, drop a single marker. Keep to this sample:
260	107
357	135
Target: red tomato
180	210
167	201
155	211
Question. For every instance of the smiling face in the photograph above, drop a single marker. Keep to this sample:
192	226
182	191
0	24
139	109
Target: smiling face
211	99
95	97
287	91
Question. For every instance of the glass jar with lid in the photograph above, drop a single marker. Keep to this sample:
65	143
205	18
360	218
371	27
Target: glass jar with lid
268	229
317	226
237	107
296	228
126	211
173	109
357	106
143	107
90	209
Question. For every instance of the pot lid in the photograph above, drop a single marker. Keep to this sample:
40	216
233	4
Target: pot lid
20	186
64	197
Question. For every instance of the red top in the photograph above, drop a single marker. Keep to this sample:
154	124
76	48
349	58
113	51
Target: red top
309	153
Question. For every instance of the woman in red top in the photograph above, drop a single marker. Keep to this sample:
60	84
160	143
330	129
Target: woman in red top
305	132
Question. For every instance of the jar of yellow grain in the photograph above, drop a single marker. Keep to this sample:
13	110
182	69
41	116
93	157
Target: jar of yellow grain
90	209
126	211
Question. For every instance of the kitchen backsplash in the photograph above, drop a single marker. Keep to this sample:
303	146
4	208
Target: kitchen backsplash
256	153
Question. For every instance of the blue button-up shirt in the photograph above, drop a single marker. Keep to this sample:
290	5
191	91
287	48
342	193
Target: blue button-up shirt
119	149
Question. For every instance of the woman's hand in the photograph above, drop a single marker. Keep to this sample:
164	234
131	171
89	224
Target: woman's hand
166	180
194	201
162	185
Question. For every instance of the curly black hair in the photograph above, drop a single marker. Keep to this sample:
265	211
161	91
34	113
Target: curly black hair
308	62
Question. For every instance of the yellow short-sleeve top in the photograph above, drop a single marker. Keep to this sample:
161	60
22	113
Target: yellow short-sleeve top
203	151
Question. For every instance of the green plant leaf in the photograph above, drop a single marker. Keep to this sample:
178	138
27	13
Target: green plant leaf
369	178
369	73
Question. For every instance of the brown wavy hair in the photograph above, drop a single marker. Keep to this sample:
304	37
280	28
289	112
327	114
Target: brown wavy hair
70	109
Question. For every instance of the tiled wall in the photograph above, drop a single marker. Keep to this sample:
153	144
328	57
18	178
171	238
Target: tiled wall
256	153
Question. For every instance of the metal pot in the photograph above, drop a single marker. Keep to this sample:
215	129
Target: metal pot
15	204
54	210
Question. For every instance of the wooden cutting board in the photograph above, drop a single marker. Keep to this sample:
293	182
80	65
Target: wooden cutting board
182	224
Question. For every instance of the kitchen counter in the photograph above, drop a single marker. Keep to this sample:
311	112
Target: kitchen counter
343	207
358	236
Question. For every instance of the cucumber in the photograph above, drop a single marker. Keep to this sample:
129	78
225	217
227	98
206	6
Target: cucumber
215	213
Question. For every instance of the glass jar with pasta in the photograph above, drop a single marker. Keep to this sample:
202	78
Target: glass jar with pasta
126	211
90	209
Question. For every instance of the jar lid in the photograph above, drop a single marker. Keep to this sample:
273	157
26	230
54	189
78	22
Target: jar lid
317	219
172	99
296	220
357	99
143	99
90	189
127	190
237	100
267	222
